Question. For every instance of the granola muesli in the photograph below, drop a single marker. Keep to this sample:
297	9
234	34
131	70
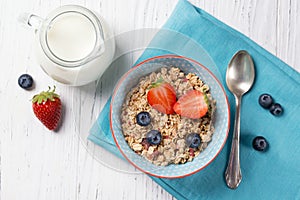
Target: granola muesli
173	127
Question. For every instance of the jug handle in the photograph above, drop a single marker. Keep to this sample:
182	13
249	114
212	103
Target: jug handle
30	20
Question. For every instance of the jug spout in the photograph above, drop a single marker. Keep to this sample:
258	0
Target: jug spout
30	20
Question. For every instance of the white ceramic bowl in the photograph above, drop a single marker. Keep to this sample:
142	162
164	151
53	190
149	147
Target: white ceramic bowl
221	121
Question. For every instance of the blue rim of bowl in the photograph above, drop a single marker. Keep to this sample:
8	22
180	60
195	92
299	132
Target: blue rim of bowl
135	67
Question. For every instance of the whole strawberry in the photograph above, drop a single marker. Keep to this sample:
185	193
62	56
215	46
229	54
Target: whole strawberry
47	108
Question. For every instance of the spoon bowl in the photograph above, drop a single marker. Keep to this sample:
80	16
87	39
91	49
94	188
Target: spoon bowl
240	76
240	73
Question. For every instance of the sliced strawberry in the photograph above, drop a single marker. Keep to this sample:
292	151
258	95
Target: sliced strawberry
162	97
193	104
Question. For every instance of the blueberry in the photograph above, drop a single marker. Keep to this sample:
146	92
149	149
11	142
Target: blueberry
193	140
259	143
153	137
276	109
265	100
25	81
143	118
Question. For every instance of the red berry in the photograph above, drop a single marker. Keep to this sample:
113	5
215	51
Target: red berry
162	97
193	104
47	108
192	152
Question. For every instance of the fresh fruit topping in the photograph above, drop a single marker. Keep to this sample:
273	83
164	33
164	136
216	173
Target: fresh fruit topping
145	144
193	104
25	81
143	118
162	97
193	140
192	152
265	100
276	109
47	108
259	143
153	137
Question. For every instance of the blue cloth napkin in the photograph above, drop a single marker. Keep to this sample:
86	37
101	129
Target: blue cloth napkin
274	174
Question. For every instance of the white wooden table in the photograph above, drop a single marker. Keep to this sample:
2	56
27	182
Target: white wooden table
38	164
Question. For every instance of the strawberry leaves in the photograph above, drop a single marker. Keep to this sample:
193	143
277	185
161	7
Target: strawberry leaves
44	96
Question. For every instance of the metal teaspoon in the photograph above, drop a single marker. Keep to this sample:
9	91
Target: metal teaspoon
240	76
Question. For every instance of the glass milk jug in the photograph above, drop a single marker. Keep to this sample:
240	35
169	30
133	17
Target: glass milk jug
73	45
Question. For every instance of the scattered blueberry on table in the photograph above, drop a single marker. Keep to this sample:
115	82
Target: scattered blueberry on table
143	118
265	100
193	140
25	81
276	109
154	137
259	143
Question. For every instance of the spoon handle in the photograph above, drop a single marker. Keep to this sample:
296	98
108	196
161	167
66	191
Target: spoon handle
233	175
